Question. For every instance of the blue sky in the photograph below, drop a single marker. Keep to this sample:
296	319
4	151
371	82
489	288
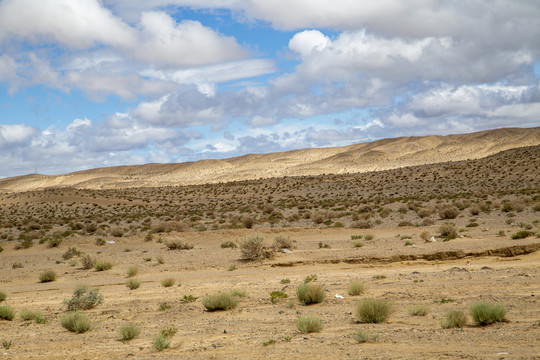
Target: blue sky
89	83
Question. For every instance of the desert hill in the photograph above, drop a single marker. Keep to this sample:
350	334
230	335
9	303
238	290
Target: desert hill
370	156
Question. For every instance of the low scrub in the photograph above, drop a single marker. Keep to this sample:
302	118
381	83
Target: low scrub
168	282
454	319
448	212
362	337
356	288
129	331
253	248
485	313
29	315
178	245
88	262
310	293
76	322
283	242
308	324
7	313
373	310
228	245
102	265
133	283
418	310
132	271
448	231
161	342
84	298
522	234
3	295
47	276
221	301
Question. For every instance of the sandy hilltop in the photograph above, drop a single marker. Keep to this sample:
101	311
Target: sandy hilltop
364	157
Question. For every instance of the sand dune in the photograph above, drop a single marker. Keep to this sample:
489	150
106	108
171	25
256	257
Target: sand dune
371	156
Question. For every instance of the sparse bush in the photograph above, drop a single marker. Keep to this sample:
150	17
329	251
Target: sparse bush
100	242
418	310
3	295
448	212
308	324
358	244
276	295
132	271
7	313
484	313
84	298
362	337
310	278
103	265
356	288
133	283
160	260
117	232
448	231
71	252
253	248
282	242
161	342
373	310
54	242
47	276
164	306
76	322
361	224
522	234
129	331
310	293
189	298
168	282
369	237
228	244
221	301
17	265
178	245
454	319
248	222
474	210
32	315
88	262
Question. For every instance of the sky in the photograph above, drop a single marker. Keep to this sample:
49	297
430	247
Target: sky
89	83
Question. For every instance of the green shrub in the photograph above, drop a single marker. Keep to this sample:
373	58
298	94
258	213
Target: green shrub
276	295
178	245
369	237
7	313
484	313
47	276
168	282
189	298
32	315
362	337
169	332
160	259
522	234
454	319
373	310
133	283
132	271
309	323
228	244
221	301
356	288
310	293
3	295
84	298
161	342
102	265
71	252
310	278
358	244
129	331
418	310
164	306
76	322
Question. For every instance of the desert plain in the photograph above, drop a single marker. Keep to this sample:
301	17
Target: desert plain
440	234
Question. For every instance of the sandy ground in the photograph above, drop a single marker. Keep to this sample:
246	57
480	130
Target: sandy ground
461	272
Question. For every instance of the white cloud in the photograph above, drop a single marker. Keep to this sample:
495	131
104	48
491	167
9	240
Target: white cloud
17	134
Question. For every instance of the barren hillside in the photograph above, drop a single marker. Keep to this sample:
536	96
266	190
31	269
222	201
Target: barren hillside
371	156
